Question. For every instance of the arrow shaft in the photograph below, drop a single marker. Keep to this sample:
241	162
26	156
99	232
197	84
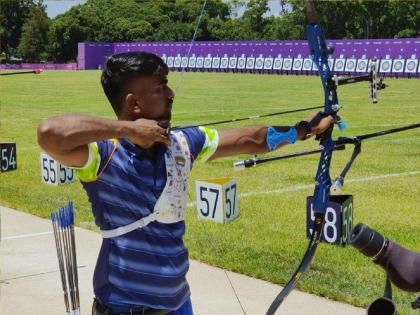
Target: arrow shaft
248	118
19	72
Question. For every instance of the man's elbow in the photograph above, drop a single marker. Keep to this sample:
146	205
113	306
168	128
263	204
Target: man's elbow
47	135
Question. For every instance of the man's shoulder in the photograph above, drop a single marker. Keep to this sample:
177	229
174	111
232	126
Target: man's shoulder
99	154
203	142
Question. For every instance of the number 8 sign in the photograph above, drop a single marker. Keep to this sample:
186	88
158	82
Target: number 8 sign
338	219
217	199
54	173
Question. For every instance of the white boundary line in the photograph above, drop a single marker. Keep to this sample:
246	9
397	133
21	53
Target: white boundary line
269	192
302	187
29	235
24	235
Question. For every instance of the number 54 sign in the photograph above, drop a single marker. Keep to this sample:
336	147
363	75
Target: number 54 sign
7	157
217	199
54	173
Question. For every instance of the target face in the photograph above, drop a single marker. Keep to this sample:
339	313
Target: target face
199	63
411	65
287	64
339	65
259	63
268	63
385	65
241	63
278	62
307	64
224	63
350	65
207	62
184	62
297	64
216	62
250	63
398	65
232	62
361	65
191	62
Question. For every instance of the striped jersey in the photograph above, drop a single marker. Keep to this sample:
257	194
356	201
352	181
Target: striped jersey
147	266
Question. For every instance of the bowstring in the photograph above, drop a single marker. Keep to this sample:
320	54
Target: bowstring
181	78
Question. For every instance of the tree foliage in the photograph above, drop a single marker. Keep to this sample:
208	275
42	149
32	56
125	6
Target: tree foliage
175	20
33	41
13	13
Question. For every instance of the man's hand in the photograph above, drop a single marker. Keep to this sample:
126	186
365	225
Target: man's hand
320	124
145	133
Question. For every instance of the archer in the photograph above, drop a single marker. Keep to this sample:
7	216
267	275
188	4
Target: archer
135	170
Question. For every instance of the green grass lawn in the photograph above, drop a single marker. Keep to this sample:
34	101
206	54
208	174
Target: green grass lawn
268	240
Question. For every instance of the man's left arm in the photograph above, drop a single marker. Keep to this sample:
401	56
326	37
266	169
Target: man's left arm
261	139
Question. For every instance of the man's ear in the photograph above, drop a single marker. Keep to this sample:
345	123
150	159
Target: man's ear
132	103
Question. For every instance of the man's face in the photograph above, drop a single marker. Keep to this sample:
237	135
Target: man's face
153	97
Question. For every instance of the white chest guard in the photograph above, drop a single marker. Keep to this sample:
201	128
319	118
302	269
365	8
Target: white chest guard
171	205
172	202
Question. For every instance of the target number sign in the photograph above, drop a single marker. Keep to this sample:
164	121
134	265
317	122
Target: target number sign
338	221
217	199
7	157
54	173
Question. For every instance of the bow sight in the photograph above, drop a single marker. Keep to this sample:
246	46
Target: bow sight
376	81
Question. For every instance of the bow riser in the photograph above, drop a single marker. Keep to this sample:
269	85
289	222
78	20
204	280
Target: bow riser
320	52
323	178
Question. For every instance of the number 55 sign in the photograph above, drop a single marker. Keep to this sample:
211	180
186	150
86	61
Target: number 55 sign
217	199
54	173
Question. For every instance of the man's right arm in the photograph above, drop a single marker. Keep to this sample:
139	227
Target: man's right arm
66	138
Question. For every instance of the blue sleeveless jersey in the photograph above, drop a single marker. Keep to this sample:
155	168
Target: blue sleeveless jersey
145	267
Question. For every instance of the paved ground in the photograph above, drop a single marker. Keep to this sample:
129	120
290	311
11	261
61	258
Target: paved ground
30	281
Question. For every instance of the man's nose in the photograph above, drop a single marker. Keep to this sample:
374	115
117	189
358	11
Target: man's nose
171	94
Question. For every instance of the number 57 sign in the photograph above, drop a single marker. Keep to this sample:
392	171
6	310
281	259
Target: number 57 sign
217	199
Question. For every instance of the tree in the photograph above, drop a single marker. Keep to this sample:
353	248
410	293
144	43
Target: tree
126	30
33	40
79	24
13	13
176	20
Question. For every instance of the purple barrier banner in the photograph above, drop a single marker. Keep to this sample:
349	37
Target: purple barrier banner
43	66
394	57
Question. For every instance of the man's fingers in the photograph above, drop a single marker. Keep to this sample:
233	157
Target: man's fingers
330	120
165	140
163	131
315	119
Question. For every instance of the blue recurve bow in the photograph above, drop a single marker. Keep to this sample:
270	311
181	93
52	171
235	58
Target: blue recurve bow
319	52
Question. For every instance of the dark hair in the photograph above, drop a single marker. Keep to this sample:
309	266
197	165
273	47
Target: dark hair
120	69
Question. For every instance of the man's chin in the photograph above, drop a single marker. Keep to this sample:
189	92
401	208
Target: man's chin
165	122
166	118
